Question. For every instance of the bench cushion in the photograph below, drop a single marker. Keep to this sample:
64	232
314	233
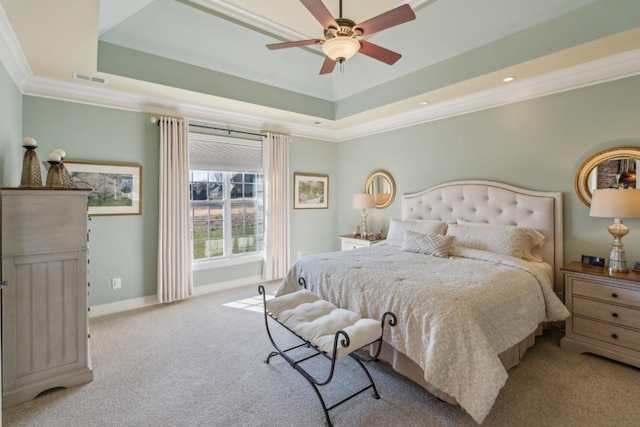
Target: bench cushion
317	321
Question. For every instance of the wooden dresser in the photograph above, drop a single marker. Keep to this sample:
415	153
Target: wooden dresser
605	312
45	340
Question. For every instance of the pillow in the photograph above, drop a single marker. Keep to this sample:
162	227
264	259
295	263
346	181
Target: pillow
519	242
436	245
397	228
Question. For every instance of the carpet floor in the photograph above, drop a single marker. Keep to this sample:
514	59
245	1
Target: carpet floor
199	362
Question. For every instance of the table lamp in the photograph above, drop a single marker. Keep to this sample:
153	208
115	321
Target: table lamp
618	204
363	201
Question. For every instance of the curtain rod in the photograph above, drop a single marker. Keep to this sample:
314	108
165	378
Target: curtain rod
229	131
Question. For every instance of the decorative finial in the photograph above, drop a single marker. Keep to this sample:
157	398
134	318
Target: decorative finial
29	142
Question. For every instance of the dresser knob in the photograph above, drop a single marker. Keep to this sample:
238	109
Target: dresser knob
614	336
614	314
614	295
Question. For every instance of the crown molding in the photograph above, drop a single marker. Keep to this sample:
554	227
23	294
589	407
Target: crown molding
232	11
87	93
11	54
615	67
235	12
595	72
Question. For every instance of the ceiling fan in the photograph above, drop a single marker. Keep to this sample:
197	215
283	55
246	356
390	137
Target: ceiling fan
342	41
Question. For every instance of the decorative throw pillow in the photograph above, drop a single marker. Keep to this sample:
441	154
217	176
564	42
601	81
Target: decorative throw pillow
519	242
436	245
397	228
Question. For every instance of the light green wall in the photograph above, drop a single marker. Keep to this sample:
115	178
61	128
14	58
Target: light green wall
314	230
11	150
10	134
120	246
142	66
126	246
599	19
538	144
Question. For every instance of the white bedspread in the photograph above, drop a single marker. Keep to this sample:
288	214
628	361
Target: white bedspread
455	315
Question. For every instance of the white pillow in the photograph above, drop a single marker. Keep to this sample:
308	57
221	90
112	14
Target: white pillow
397	228
520	242
436	245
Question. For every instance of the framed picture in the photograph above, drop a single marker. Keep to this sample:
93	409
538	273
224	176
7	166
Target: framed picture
116	187
310	191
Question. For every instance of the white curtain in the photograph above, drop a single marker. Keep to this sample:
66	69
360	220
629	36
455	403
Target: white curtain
175	279
275	164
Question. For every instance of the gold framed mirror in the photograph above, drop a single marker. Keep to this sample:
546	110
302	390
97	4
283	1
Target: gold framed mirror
608	169
382	186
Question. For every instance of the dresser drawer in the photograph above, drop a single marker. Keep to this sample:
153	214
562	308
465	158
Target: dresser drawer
349	242
606	293
349	245
623	316
605	332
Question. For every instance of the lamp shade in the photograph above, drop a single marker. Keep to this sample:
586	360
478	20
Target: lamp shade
363	201
615	203
340	47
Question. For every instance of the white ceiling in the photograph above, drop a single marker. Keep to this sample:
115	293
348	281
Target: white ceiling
159	27
59	37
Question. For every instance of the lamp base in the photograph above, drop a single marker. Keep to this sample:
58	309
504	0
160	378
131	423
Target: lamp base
617	261
617	258
363	227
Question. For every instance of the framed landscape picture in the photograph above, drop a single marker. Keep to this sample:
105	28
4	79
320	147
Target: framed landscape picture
117	188
310	191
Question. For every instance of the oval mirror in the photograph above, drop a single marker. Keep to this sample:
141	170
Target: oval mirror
383	188
612	168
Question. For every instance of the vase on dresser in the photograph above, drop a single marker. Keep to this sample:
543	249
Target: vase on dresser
31	176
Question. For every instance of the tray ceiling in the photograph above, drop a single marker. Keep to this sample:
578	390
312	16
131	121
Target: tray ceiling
454	48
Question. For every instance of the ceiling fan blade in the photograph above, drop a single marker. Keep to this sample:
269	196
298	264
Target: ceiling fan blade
377	52
327	66
397	16
294	44
320	12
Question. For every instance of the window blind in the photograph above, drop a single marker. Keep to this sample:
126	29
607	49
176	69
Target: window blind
221	153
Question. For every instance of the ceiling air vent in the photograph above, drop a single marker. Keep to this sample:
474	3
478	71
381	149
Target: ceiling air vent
88	78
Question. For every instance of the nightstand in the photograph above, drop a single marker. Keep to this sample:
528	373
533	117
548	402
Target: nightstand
605	312
349	242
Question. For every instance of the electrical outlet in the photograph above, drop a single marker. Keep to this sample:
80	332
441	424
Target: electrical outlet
299	254
116	283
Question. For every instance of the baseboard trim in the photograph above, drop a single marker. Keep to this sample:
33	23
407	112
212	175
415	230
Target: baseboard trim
150	300
231	284
125	305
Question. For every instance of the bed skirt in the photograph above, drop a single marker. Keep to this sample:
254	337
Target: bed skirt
410	369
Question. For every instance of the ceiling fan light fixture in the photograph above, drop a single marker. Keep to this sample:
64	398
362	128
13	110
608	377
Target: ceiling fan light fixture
340	48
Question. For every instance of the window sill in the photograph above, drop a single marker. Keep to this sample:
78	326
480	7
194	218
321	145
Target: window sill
238	260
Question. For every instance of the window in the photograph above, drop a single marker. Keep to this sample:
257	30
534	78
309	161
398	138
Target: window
226	212
226	207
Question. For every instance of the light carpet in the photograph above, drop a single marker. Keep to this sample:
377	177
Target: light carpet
200	362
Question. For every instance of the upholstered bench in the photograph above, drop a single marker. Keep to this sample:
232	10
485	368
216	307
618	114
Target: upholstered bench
326	330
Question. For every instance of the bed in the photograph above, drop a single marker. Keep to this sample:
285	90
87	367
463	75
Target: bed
472	271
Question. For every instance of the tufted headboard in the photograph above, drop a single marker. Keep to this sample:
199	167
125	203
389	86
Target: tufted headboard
495	203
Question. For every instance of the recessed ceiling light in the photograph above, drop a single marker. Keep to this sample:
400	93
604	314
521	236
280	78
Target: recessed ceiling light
508	79
424	102
317	123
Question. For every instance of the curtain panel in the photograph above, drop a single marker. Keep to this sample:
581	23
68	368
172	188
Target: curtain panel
275	156
175	278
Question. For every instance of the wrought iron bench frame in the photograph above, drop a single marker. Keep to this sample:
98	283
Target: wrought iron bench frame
341	338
